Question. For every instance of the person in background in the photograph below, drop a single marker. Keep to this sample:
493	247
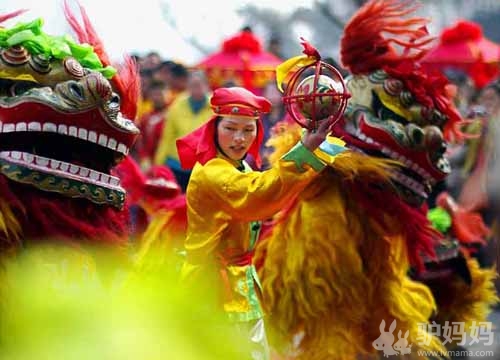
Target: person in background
269	120
177	81
150	61
163	72
145	105
479	191
151	126
184	115
274	46
480	151
465	99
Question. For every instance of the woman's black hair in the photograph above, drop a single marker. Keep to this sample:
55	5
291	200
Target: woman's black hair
216	137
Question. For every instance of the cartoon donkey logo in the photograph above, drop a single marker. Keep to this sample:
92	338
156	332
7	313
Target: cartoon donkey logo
402	344
386	339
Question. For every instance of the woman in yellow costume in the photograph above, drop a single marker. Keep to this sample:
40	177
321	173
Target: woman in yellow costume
336	267
226	200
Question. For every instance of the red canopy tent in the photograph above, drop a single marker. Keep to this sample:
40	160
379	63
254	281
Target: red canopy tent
241	61
463	46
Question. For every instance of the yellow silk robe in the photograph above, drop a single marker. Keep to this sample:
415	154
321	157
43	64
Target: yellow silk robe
223	202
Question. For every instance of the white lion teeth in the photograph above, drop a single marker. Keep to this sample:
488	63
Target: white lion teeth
62	129
92	136
16	155
22	126
7	128
73	131
409	183
122	149
82	133
34	126
52	166
49	127
84	172
112	144
103	140
78	132
114	181
29	158
395	156
42	161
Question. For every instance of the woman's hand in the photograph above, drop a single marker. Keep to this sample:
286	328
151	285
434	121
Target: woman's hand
312	140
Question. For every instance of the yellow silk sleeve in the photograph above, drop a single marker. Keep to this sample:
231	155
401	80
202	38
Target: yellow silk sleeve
254	195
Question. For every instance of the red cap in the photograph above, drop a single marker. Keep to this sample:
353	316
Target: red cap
237	101
199	145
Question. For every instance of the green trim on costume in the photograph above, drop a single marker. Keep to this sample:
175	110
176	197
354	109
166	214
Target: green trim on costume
301	156
248	282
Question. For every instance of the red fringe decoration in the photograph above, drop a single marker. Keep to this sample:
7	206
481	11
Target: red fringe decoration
49	216
363	37
386	206
467	226
126	81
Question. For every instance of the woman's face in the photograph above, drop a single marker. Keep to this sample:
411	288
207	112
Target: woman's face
235	136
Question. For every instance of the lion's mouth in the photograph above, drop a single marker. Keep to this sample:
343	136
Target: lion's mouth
71	152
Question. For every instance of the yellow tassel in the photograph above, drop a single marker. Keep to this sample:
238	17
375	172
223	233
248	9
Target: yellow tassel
9	225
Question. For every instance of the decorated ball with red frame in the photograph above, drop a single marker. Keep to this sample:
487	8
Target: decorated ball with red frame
321	101
316	92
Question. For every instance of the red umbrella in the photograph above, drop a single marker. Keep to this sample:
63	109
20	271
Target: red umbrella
463	46
241	61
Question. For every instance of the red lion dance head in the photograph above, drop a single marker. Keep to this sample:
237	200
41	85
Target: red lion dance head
66	119
397	110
